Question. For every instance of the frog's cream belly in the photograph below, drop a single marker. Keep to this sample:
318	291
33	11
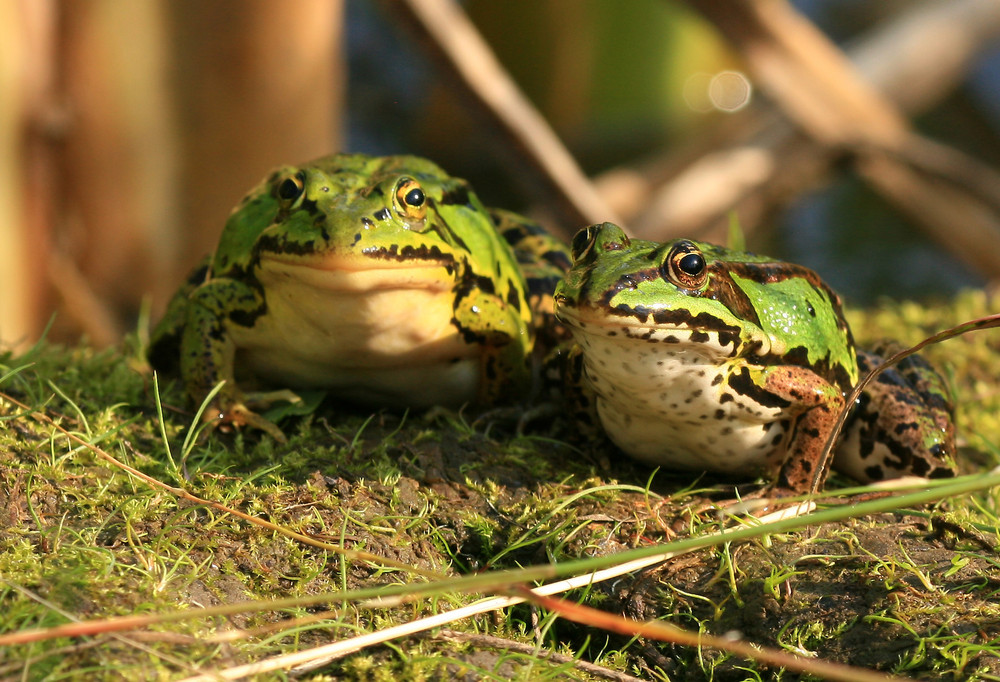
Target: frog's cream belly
388	341
671	406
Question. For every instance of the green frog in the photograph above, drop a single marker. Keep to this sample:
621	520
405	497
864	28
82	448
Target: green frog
693	356
381	278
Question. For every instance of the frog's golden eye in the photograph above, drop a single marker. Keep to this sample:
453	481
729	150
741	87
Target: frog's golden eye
686	266
291	188
411	202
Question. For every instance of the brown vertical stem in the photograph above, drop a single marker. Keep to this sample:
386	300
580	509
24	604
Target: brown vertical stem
30	126
258	83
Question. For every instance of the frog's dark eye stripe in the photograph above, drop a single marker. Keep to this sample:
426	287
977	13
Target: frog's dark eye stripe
685	265
411	202
291	188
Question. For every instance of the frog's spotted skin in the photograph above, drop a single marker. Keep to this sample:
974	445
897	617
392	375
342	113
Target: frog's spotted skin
707	359
380	277
903	423
543	260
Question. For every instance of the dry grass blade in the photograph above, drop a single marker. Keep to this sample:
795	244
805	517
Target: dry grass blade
669	633
781	521
587	572
311	659
127	640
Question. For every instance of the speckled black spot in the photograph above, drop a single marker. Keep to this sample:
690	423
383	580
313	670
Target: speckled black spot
247	318
874	473
455	195
312	208
513	300
491	368
744	385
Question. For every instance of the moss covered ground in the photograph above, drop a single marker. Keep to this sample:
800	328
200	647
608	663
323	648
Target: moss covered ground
221	525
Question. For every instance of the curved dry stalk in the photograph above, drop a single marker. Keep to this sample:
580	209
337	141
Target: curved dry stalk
448	34
819	477
505	581
819	90
311	659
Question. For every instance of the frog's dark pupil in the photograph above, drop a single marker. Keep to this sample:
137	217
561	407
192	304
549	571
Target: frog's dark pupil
415	197
290	189
692	264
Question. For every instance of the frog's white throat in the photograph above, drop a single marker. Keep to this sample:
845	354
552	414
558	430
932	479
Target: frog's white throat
660	398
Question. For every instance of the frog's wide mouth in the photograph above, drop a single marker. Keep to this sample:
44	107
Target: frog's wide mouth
659	325
353	273
601	321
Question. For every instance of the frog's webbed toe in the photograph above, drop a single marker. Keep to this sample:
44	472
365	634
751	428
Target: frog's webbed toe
239	415
262	400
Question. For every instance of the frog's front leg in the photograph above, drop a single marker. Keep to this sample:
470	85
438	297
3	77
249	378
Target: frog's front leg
165	340
566	389
814	405
208	351
505	339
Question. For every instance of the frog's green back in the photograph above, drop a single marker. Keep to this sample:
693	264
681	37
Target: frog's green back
255	212
803	317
